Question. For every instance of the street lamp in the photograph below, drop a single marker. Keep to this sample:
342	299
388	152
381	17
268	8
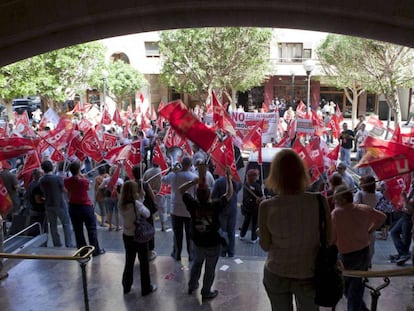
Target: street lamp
104	77
292	73
308	65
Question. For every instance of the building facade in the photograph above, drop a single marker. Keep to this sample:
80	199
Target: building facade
289	52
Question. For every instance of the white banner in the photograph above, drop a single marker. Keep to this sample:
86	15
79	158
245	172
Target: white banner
245	121
304	126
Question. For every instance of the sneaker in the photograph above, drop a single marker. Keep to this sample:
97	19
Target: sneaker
254	241
99	252
394	257
210	295
152	255
152	289
402	260
4	276
242	238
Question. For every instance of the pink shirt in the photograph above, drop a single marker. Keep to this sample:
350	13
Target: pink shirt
351	225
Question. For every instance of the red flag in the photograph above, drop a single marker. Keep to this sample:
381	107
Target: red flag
114	179
61	135
222	154
14	147
159	158
91	145
141	97
187	125
31	162
334	126
333	155
396	136
378	127
22	126
57	156
84	125
82	107
126	152
117	118
253	140
301	111
394	187
106	117
338	114
109	141
221	118
6	203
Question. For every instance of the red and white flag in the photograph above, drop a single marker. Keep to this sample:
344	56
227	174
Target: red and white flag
253	140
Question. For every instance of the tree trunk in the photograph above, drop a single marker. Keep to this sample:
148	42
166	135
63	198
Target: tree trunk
393	102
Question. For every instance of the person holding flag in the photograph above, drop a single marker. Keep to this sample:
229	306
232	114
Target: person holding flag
252	196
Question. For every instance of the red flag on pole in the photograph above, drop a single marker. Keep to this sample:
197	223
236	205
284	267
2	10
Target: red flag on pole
186	124
222	154
106	117
253	140
91	145
159	158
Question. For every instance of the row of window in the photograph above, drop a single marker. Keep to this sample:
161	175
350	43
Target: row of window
288	52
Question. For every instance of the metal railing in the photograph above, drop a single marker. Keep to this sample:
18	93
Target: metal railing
82	255
384	274
24	230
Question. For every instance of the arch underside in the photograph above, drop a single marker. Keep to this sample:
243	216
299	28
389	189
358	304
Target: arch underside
32	27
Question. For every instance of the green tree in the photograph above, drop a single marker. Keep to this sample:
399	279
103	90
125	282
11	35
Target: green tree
122	82
55	76
389	67
197	61
337	57
361	65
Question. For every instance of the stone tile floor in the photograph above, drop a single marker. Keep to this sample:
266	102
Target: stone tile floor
56	285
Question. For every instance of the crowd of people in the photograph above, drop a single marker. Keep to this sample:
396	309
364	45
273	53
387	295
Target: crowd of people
203	209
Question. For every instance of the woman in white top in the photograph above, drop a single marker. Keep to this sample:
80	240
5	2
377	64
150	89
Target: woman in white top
130	203
289	232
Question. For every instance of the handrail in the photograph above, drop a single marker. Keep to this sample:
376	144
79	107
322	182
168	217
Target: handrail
379	273
384	274
24	230
82	255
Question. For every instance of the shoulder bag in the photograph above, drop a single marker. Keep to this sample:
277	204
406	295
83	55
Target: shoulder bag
144	231
329	283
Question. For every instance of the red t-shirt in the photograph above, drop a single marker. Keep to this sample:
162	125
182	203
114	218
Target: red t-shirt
78	190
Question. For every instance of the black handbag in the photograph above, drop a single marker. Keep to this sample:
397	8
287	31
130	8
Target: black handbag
144	231
329	284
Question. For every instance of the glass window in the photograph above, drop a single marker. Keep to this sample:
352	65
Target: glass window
290	52
151	49
307	53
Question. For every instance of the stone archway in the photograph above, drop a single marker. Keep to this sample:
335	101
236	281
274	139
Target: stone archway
32	27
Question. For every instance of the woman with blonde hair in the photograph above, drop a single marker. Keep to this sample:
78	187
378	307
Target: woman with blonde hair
131	206
289	232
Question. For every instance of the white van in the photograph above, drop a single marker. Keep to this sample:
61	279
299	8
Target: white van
267	156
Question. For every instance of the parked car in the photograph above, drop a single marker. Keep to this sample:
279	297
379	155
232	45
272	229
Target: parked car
267	156
20	105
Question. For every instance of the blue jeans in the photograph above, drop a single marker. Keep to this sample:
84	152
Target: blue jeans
178	224
80	215
401	234
354	287
228	225
61	212
210	255
281	290
345	156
